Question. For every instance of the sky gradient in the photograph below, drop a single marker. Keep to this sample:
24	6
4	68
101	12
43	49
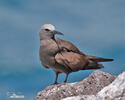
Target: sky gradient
96	27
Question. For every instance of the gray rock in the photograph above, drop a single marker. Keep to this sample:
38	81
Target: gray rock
89	86
114	91
81	97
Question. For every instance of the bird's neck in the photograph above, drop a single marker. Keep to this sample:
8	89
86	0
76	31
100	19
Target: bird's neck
47	37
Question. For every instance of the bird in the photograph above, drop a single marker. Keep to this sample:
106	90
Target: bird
63	56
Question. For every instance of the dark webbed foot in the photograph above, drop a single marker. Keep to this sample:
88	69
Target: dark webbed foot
55	83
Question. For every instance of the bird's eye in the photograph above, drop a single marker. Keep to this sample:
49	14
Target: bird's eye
47	30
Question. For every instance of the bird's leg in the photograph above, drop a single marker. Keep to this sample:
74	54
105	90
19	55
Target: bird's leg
56	78
66	78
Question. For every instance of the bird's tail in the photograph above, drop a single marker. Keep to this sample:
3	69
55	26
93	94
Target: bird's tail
98	59
93	65
93	62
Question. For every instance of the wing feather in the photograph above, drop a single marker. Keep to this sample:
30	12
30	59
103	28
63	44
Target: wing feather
72	60
68	46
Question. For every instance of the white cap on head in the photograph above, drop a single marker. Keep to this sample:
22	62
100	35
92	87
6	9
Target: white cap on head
48	26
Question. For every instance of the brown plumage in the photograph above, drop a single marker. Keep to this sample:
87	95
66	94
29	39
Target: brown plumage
62	56
69	55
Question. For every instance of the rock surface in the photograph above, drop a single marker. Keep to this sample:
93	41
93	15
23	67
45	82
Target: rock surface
89	86
81	97
114	91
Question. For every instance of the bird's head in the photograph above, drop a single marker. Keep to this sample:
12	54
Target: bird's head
47	31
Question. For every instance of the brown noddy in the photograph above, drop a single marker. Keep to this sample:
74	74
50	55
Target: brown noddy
63	56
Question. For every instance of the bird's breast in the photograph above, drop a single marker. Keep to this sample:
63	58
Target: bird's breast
48	48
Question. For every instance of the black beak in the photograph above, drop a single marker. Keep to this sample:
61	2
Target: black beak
56	32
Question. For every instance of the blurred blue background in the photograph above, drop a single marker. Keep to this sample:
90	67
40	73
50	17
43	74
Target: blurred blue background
96	27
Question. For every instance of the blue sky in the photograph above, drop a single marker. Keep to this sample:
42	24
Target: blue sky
95	27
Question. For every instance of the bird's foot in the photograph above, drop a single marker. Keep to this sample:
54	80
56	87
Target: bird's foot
64	82
55	83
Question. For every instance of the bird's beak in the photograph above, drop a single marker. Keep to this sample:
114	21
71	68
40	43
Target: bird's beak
56	32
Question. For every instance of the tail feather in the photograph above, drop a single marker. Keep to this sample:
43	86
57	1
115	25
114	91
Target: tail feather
97	66
93	62
98	59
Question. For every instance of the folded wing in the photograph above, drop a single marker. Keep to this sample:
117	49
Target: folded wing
72	60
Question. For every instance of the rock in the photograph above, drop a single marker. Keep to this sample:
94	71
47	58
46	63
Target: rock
81	97
89	86
114	91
